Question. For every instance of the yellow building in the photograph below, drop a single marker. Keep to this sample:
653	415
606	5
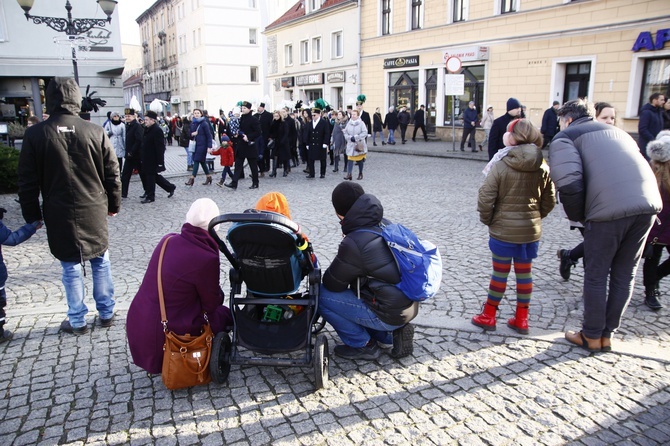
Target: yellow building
538	51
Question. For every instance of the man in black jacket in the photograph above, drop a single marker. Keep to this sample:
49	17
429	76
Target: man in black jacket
265	119
403	121
318	139
245	145
153	159
134	136
365	116
358	298
72	164
549	127
499	126
420	123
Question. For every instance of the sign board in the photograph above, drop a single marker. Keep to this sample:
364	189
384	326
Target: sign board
335	76
467	53
401	62
309	79
287	82
175	100
453	64
454	84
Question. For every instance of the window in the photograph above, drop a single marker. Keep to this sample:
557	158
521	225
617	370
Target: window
656	79
459	11
201	81
288	55
386	17
253	74
316	49
193	38
507	6
304	52
187	107
416	14
252	36
195	75
199	37
337	49
200	105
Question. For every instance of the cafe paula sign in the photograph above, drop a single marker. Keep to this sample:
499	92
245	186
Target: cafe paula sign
99	39
401	62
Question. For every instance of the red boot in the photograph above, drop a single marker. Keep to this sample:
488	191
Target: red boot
487	318
519	322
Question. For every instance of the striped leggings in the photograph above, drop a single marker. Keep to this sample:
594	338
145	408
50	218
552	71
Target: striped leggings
498	284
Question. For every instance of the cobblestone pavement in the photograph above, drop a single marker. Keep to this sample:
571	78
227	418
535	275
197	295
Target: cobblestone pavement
461	386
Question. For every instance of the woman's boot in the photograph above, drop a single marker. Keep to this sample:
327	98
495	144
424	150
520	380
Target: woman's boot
208	180
487	318
347	176
190	181
274	168
519	322
360	176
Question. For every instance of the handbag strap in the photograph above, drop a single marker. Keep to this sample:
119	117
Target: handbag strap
161	300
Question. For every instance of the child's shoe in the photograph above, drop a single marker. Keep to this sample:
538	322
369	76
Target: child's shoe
6	336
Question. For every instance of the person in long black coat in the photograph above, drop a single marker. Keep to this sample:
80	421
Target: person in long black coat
319	137
549	127
134	135
245	143
265	119
499	126
153	159
280	153
304	135
292	138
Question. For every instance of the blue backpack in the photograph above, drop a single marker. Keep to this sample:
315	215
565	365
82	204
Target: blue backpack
419	261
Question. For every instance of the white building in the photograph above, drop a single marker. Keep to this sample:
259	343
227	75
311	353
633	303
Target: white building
314	51
221	54
33	54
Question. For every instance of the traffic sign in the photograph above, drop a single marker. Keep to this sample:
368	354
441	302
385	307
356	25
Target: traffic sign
454	84
454	64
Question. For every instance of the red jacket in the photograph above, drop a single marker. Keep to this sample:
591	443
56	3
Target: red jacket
227	155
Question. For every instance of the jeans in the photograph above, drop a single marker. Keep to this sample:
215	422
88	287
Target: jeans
103	289
391	139
352	319
189	157
374	136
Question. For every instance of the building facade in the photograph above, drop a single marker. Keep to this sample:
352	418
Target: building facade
538	51
313	52
33	54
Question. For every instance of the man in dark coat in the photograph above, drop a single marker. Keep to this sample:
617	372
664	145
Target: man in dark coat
319	138
292	138
265	119
365	116
403	121
499	126
420	123
651	122
153	159
469	126
72	164
134	136
549	127
245	144
358	298
391	123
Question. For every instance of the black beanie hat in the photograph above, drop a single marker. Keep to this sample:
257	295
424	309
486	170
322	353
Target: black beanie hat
345	195
513	103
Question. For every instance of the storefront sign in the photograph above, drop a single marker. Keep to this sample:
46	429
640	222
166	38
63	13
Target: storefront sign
401	62
175	100
287	82
99	39
335	76
645	41
309	79
467	53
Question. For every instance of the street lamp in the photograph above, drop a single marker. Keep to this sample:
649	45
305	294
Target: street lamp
71	27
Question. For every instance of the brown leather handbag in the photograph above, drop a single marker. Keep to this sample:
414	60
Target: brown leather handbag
185	357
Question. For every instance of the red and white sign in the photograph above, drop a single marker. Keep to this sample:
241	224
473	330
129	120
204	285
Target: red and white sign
454	64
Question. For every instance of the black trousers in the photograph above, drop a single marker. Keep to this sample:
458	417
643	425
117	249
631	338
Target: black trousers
423	129
239	169
128	167
472	131
403	130
153	179
310	166
3	303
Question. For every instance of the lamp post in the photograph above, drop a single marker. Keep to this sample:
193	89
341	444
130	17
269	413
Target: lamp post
71	27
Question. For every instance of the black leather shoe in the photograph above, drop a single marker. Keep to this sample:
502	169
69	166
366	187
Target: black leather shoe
107	322
651	300
305	171
322	176
253	186
403	341
6	336
309	177
124	196
147	200
566	263
172	192
67	328
144	195
231	185
369	352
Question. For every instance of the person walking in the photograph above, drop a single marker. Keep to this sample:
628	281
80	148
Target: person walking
79	190
516	195
499	126
245	146
279	150
116	131
134	136
377	127
338	142
469	127
201	133
318	139
604	183
403	121
549	124
355	133
420	123
651	121
391	123
487	123
153	159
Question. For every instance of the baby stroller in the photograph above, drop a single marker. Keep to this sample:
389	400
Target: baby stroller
271	257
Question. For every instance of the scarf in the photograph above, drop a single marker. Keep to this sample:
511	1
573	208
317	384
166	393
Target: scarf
497	157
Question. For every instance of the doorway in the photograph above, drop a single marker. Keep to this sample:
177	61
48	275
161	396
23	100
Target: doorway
577	78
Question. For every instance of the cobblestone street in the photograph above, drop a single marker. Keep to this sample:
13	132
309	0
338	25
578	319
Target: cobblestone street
462	385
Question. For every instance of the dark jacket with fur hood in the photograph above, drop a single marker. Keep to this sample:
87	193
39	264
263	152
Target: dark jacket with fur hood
72	163
366	256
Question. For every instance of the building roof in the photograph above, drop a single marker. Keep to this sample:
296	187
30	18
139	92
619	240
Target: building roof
298	10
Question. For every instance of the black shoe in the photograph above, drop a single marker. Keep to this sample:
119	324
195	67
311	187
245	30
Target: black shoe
67	328
144	195
566	263
374	144
403	344
383	143
305	171
124	196
309	177
172	192
253	186
147	200
413	139
322	176
462	149
231	185
651	300
107	322
6	336
403	142
368	352
285	173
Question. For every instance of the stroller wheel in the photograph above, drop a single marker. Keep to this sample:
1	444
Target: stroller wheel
318	325
219	366
321	361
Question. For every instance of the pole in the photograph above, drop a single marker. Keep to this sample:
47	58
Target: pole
74	64
453	123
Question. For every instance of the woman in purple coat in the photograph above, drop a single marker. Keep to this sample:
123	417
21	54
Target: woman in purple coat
190	274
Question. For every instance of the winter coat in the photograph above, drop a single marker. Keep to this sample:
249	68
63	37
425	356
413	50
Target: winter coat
252	128
377	122
487	120
117	136
72	164
279	131
498	129
391	121
600	175
227	154
153	149
185	136
365	117
355	129
516	195
318	137
190	275
403	118
364	259
660	231
650	123
134	136
549	127
419	117
292	133
203	140
9	238
338	140
469	116
265	119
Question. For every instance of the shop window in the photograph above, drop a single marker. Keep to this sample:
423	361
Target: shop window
431	99
417	14
459	11
288	55
386	17
403	89
474	91
507	6
656	79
